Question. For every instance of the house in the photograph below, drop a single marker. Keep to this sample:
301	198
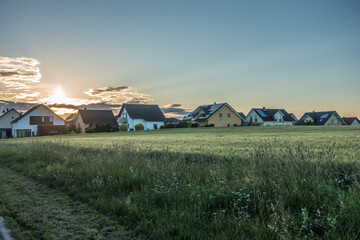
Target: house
5	122
321	118
70	121
242	115
91	118
269	117
37	121
216	115
353	121
171	120
148	115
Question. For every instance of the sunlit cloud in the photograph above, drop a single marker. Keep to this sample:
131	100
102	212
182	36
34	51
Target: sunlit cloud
17	78
175	110
118	95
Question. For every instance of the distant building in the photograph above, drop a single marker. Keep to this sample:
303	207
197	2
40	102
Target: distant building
91	118
150	116
171	120
5	122
351	121
37	121
270	117
216	115
321	118
70	121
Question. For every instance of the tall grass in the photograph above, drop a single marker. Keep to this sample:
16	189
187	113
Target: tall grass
289	192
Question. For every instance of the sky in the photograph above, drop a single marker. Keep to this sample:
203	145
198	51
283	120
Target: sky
298	55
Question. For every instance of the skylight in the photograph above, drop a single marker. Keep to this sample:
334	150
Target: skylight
324	116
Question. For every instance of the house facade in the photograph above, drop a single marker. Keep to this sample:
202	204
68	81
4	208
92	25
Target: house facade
37	121
5	122
351	121
150	116
270	117
91	118
323	118
216	115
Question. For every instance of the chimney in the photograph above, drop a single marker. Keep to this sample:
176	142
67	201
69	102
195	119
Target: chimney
264	108
214	103
4	111
85	108
7	109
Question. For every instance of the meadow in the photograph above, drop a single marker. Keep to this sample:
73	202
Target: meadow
204	183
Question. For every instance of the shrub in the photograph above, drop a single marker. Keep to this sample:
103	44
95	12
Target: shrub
170	125
183	125
115	128
139	127
123	127
90	130
188	124
194	125
162	127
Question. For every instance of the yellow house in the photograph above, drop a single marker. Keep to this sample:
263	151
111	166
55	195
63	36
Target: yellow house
215	115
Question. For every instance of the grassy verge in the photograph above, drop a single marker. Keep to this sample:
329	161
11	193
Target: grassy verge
35	211
273	191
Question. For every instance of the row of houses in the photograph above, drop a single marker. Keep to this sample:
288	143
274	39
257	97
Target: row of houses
41	120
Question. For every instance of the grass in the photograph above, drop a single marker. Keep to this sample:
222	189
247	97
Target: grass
208	183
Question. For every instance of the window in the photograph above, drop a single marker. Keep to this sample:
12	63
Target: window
51	119
220	117
332	122
256	119
229	117
155	126
43	119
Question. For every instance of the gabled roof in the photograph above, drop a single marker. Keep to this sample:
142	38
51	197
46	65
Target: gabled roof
320	118
242	115
150	113
208	112
171	120
72	116
269	114
98	117
350	120
12	109
32	109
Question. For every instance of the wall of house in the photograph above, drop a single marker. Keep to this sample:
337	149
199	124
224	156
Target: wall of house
147	125
79	124
254	117
274	123
7	118
24	123
225	110
355	123
333	121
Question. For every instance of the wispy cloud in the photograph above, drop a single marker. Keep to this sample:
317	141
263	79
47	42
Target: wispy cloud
17	78
175	110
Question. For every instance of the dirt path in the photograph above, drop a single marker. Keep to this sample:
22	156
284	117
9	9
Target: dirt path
46	213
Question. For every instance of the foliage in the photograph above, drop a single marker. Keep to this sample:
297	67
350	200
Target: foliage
170	125
90	130
139	127
123	127
208	183
194	125
114	129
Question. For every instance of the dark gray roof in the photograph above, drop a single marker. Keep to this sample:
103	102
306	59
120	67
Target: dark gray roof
100	117
350	120
151	113
242	115
171	120
209	110
268	114
320	118
12	109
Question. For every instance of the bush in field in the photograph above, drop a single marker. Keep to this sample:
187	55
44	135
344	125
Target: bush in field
139	127
184	124
123	127
170	125
194	125
114	129
90	130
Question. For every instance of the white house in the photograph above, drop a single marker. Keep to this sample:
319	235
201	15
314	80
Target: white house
5	122
270	117
323	118
148	115
351	121
37	121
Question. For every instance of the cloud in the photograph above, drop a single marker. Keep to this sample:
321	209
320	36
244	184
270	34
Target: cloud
175	110
118	95
17	78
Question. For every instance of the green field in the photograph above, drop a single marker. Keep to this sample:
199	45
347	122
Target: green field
204	183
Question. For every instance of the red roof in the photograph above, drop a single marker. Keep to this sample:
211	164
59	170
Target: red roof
350	120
